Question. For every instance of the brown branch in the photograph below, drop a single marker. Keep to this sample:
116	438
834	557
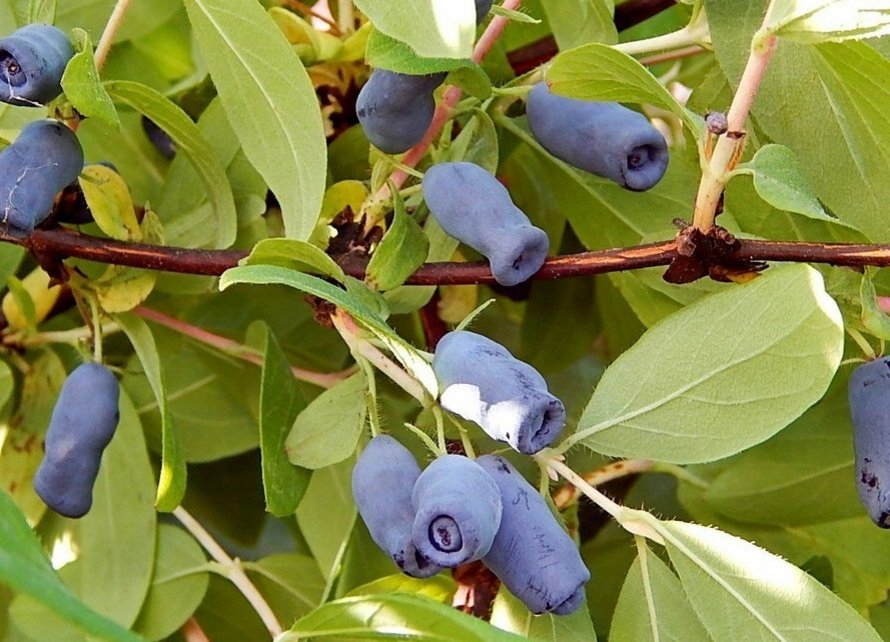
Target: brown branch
627	15
52	245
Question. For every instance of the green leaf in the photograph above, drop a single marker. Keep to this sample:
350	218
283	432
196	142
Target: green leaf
291	583
171	485
599	72
432	29
270	102
327	514
110	203
82	85
25	568
178	586
189	142
766	486
652	605
652	298
394	615
211	395
384	52
43	11
873	317
327	431
741	591
294	255
814	21
280	403
22	449
579	22
403	249
780	181
768	350
439	587
188	216
511	615
117	536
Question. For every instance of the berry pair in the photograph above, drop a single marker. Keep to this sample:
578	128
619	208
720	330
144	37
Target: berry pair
83	422
422	520
459	510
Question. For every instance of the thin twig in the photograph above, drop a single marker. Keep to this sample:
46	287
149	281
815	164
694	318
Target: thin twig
192	632
49	246
115	22
322	379
715	172
569	494
671	56
576	480
234	570
351	334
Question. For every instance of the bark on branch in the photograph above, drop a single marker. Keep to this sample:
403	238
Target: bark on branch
53	245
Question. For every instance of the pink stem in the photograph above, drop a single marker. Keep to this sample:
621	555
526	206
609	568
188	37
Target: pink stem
325	380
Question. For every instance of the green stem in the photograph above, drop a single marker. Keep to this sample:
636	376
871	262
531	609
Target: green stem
693	34
234	570
97	330
863	344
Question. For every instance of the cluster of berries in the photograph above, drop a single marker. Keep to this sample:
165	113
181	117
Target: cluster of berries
46	157
460	510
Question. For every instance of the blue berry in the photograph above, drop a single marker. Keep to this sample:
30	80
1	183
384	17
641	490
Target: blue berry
869	396
382	482
32	61
482	9
83	422
395	109
472	206
458	510
532	554
44	159
482	382
606	139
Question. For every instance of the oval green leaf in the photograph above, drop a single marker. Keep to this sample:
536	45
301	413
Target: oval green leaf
270	103
720	375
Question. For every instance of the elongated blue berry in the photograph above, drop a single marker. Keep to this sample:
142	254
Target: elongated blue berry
382	482
458	510
395	110
83	422
472	206
482	382
32	61
606	139
532	554
44	159
869	396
